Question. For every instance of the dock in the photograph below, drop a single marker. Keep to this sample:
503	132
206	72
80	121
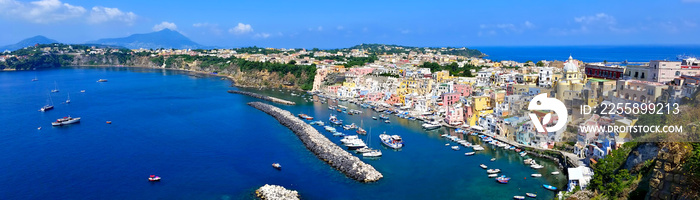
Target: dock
321	146
263	97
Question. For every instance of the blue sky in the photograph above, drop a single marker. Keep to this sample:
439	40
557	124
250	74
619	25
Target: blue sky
336	24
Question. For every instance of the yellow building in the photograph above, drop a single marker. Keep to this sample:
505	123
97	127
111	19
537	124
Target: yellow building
349	84
406	87
572	81
480	106
442	76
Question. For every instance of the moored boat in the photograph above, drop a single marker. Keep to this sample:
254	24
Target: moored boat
335	120
373	153
519	197
493	171
483	166
46	108
503	179
393	141
555	173
153	178
102	80
533	195
536	175
387	121
456	148
469	153
65	121
549	187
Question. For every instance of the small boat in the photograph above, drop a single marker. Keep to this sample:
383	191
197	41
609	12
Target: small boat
431	125
335	120
469	153
493	171
527	161
109	122
456	148
536	175
46	108
503	179
68	100
519	197
493	159
383	116
55	87
523	153
387	121
102	80
65	121
531	195
555	173
374	118
38	128
277	166
363	150
305	116
493	175
447	144
483	166
361	131
536	166
549	187
373	153
154	178
35	79
477	148
393	141
82	91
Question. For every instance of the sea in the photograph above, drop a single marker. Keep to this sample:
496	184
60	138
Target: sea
630	53
208	144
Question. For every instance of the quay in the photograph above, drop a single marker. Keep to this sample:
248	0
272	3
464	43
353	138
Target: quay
276	192
321	146
263	97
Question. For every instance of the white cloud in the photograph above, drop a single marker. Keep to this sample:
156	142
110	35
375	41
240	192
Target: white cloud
100	14
213	28
50	11
495	29
262	35
164	25
600	18
241	29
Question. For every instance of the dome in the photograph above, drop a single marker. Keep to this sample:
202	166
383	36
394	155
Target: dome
571	65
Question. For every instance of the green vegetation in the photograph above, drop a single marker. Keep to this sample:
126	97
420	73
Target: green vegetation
609	178
389	75
379	49
453	68
350	61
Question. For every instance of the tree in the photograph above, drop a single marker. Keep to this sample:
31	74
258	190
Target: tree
539	64
292	62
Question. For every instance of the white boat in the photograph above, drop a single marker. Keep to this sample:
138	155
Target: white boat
469	153
527	161
431	125
349	138
519	197
363	150
523	153
102	80
456	148
82	91
68	100
536	166
65	121
532	195
555	173
276	166
493	159
483	166
536	175
373	153
387	121
493	175
393	141
477	148
55	87
355	144
48	106
493	171
335	120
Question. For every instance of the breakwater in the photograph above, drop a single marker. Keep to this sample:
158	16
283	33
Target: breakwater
321	146
276	192
263	97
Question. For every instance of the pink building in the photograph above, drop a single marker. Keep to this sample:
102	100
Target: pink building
448	99
361	71
375	96
394	99
454	116
463	89
333	89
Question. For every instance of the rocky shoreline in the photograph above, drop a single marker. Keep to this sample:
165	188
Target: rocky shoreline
321	146
263	97
276	192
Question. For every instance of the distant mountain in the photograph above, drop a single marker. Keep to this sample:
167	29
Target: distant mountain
28	42
165	38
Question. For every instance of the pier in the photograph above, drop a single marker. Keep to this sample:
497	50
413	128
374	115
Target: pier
263	97
276	192
321	146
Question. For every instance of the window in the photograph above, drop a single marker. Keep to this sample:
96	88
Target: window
678	73
642	75
636	74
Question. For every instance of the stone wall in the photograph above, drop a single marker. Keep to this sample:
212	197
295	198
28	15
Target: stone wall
276	192
668	180
263	97
321	146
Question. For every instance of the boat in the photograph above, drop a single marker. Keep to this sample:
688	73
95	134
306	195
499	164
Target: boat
431	125
536	175
305	116
46	108
456	148
55	87
532	195
503	179
349	138
483	166
65	121
35	79
387	121
382	116
363	150
555	173
392	141
519	197
153	178
335	120
493	175
109	122
523	154
493	159
277	166
477	148
351	126
549	187
360	130
373	153
527	161
469	153
536	166
374	118
337	133
493	171
329	128
68	100
102	80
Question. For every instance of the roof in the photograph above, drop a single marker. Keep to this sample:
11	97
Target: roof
575	173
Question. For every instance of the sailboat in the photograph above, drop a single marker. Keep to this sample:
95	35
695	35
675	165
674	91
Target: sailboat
68	101
35	79
372	152
56	87
360	130
48	106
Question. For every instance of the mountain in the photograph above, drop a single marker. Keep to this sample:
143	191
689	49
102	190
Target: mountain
165	38
28	42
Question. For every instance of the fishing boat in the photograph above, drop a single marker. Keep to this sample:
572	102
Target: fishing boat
335	120
277	166
469	153
154	178
532	195
392	141
373	153
549	187
483	166
493	171
55	87
493	175
519	197
102	80
305	116
536	175
456	148
503	179
555	173
65	121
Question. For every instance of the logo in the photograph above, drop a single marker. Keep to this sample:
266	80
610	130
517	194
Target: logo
541	102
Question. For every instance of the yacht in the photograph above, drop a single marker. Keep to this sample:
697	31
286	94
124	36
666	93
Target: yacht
349	138
493	171
393	141
48	106
66	120
431	125
456	148
355	144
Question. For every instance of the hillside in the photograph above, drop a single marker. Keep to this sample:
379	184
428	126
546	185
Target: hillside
165	38
28	42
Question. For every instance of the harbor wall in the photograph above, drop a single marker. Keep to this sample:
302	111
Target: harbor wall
321	146
276	192
263	97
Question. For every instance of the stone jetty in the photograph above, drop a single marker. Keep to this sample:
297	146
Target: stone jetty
263	97
276	192
324	149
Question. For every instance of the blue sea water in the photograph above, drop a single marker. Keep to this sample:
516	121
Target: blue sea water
208	144
591	53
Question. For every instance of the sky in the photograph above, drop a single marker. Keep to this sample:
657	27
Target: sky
339	24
